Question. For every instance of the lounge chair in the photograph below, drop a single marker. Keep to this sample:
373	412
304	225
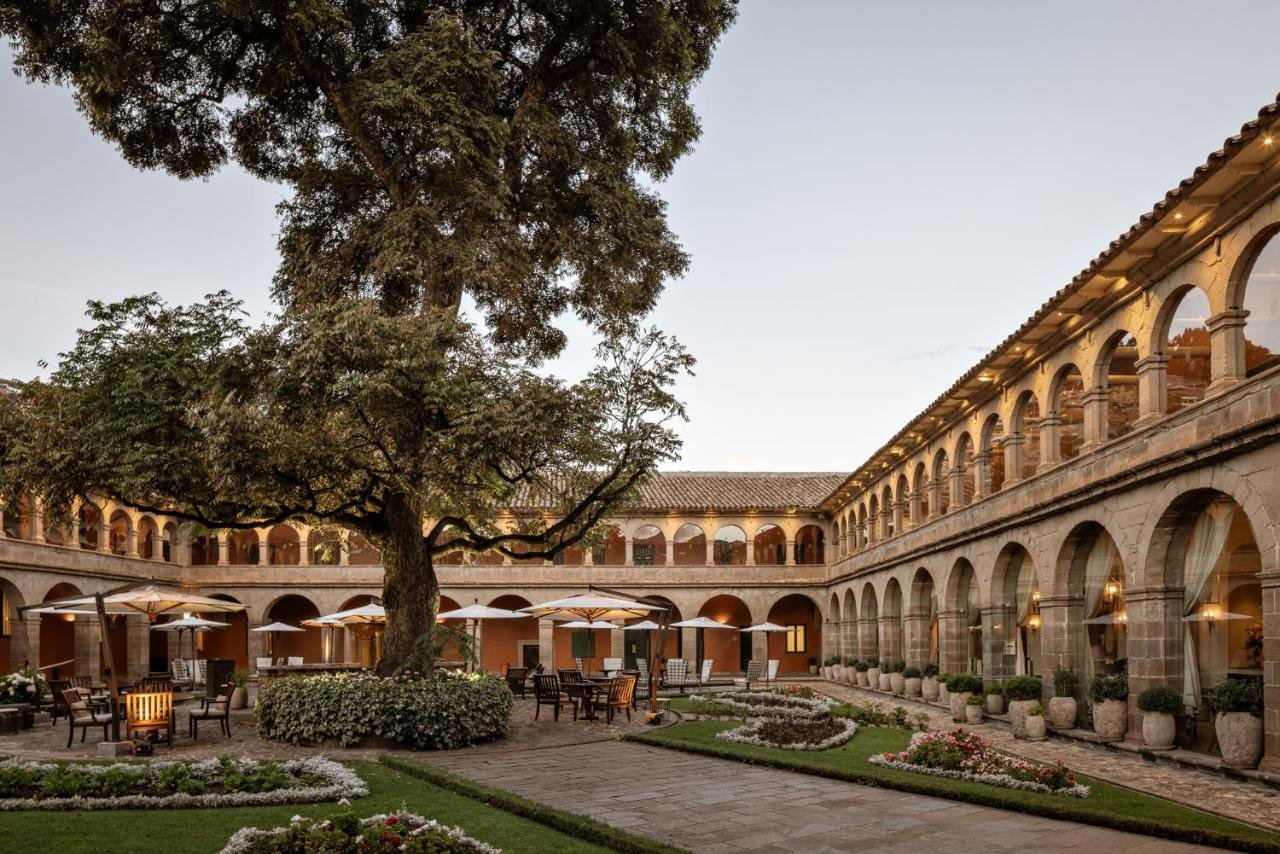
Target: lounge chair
621	695
84	715
546	692
771	674
577	662
199	673
212	709
295	660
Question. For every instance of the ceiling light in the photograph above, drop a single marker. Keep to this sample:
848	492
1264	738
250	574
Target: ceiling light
1178	215
1268	139
985	378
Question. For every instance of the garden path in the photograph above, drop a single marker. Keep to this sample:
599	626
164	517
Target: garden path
1241	800
716	805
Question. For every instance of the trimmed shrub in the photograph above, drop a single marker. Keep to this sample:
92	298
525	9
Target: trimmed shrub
1111	686
1035	711
445	712
1160	698
861	666
911	672
995	689
929	669
974	700
962	682
1236	695
1023	688
1065	682
873	661
895	665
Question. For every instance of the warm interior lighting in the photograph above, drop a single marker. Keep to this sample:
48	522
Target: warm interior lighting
1033	622
1211	611
1035	597
1178	215
1267	140
985	378
1112	589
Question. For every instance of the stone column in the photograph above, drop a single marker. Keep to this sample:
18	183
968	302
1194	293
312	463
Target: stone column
849	638
751	550
628	550
890	637
868	640
671	551
916	627
589	557
1096	428
1014	459
916	503
257	643
1152	384
711	551
952	640
1059	629
759	646
1154	644
830	639
982	482
546	645
1226	337
264	549
935	497
304	549
131	540
957	487
689	642
224	549
138	644
617	643
35	522
27	646
478	645
1270	671
88	647
1050	441
791	552
997	633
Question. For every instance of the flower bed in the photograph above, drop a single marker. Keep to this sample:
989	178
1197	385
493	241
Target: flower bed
768	704
223	782
441	713
379	833
793	733
960	755
24	686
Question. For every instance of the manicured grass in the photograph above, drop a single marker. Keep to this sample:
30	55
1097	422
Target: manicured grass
1107	805
207	830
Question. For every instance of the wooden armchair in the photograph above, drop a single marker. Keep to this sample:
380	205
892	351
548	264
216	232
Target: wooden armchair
516	677
60	708
212	709
621	695
149	711
83	715
569	677
546	692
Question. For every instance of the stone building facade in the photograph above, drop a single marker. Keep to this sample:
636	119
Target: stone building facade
1099	493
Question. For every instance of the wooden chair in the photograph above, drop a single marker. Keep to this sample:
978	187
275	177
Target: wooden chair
641	689
82	715
546	692
60	708
516	677
154	684
212	709
622	692
149	711
569	677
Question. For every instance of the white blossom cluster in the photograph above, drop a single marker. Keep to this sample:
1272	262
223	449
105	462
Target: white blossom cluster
750	703
1002	780
244	838
340	782
750	734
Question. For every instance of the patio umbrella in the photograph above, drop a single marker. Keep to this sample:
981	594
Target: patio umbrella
364	614
701	624
151	599
189	624
587	624
273	630
765	629
644	626
478	612
592	606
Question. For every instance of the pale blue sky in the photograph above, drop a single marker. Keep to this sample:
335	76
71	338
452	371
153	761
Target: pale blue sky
882	193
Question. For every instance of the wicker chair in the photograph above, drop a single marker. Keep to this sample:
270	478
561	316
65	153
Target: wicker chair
212	709
83	715
149	711
546	692
622	692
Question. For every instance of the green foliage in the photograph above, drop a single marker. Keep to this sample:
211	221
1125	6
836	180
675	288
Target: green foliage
1023	688
895	665
127	779
911	672
1065	682
345	834
964	683
974	700
1109	686
1160	698
929	669
1035	711
878	716
443	713
873	661
1236	695
994	689
861	666
240	677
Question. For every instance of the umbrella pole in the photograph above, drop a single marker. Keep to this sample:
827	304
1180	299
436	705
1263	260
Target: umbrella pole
105	638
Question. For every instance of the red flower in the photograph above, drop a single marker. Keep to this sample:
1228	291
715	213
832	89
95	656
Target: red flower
391	838
392	820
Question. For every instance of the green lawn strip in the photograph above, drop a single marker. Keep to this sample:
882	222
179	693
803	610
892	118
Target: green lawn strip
1106	806
207	830
579	826
689	706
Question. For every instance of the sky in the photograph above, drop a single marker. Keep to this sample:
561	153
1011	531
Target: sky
882	193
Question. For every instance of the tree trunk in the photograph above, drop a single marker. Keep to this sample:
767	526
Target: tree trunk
410	591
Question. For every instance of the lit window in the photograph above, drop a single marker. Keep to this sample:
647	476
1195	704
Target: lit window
4	615
796	639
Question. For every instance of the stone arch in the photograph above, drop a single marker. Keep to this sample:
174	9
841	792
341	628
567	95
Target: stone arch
992	445
810	545
873	518
803	640
1011	627
1182	336
148	538
242	548
920	492
1025	423
13	635
1116	374
648	546
690	545
89	526
284	546
1066	405
963	462
231	642
120	530
770	545
58	637
962	644
941	470
868	622
293	608
1254	287
730	546
922	619
511	642
169	541
886	512
891	630
731	648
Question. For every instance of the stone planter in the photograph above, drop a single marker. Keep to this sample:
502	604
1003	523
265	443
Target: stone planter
1062	712
873	678
995	704
885	682
1159	729
944	696
863	679
836	672
1240	737
1018	716
1111	719
240	698
972	713
929	689
1035	727
958	702
911	686
813	670
897	683
826	672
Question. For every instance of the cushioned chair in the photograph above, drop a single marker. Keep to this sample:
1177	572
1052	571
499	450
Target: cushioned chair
546	692
216	709
60	708
83	715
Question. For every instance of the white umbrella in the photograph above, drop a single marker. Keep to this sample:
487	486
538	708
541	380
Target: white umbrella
272	629
587	624
478	612
152	599
188	624
765	628
643	626
369	613
708	623
592	606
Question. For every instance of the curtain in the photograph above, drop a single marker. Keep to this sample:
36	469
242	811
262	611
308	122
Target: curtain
1097	571
1203	550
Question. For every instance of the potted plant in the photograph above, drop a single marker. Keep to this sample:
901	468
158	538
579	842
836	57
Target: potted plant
873	672
973	709
1159	705
897	682
1035	723
240	693
828	664
850	676
1110	694
813	665
929	682
911	682
960	688
1063	706
995	698
944	699
861	669
1237	704
1021	693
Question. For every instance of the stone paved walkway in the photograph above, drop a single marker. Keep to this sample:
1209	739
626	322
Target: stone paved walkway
715	805
1253	802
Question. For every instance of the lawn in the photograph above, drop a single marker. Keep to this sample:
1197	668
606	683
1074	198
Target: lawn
207	830
1107	805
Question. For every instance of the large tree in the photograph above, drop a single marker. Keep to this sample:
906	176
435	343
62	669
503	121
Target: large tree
501	151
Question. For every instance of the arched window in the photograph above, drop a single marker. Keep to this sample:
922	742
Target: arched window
648	546
1120	378
873	519
282	544
993	446
361	553
326	547
1068	403
1262	301
1188	347
809	545
886	512
941	472
90	521
611	550
1026	423
570	556
452	558
921	491
118	533
731	546
148	535
244	547
690	545
204	550
965	464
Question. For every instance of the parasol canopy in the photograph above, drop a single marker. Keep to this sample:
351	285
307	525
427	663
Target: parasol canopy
480	612
151	599
364	614
764	627
592	606
588	624
277	627
644	626
706	623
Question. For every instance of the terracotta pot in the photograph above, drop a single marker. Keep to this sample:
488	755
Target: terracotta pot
873	678
1035	727
884	682
929	688
995	704
1018	716
1240	738
1111	719
1159	729
897	683
972	713
240	698
1062	712
911	686
863	679
958	702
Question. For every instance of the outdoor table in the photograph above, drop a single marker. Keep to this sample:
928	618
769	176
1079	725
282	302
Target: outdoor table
587	690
